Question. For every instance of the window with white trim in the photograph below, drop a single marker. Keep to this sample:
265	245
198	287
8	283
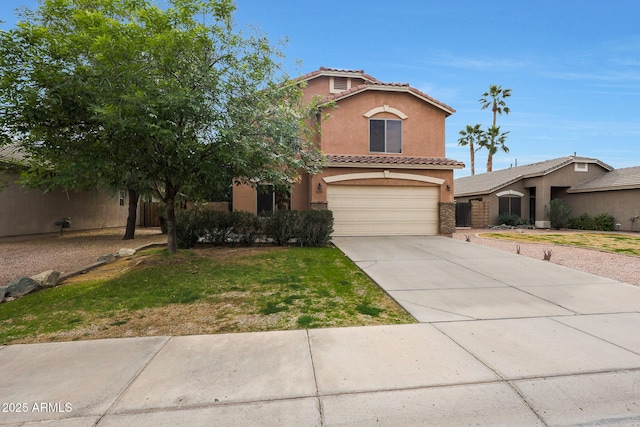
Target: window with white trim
385	136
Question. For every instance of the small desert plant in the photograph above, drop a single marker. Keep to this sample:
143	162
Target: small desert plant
547	254
467	238
518	249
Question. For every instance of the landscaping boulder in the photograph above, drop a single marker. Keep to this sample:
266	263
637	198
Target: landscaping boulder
125	252
109	258
3	290
21	286
47	279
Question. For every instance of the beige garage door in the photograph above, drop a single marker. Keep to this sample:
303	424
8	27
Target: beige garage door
383	211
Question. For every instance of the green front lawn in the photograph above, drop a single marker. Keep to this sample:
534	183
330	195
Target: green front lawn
611	242
210	290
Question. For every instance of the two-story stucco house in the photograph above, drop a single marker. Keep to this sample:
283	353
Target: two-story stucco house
386	171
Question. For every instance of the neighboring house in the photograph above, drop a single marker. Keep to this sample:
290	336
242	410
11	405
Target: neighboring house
589	185
30	211
616	193
386	171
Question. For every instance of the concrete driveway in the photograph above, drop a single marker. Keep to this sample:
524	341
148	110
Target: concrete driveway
504	340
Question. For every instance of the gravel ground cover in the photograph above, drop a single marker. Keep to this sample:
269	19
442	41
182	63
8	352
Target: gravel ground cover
625	268
72	251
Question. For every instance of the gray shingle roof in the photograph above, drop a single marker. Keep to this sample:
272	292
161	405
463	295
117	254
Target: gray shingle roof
619	179
486	183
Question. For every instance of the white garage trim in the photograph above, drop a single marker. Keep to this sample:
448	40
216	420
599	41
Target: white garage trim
377	210
383	174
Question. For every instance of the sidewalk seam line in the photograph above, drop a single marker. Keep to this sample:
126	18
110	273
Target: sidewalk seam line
134	377
315	379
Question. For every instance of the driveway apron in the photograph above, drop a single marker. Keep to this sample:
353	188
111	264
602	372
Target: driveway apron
566	342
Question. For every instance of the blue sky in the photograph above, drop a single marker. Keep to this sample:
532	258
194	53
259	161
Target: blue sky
573	65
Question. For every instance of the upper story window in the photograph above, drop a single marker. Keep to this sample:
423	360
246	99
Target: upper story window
385	136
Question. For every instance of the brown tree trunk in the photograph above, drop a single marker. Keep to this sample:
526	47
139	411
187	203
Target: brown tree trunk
170	202
130	232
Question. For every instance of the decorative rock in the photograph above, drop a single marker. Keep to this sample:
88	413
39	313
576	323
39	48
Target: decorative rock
109	258
125	252
21	286
47	279
3	290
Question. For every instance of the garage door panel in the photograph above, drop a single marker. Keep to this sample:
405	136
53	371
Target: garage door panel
379	210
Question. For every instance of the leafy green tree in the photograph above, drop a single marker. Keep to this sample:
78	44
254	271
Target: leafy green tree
469	136
495	99
123	93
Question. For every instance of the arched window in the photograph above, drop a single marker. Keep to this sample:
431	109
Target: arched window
510	202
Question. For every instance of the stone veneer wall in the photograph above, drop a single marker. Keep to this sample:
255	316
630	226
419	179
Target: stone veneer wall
447	219
319	206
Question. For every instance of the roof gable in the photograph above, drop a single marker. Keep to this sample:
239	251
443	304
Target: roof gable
619	179
489	182
371	84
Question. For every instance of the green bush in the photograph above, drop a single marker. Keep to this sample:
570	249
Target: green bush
309	228
602	222
582	222
282	226
509	219
190	226
247	227
558	212
315	227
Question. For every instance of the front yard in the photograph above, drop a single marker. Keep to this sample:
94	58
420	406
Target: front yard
202	291
611	242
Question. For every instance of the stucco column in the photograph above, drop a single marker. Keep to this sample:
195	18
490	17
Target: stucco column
543	198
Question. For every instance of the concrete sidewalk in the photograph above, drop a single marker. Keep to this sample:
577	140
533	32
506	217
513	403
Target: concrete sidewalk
505	340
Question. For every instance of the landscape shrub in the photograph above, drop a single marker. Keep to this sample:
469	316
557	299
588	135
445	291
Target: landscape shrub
558	213
315	227
218	226
308	228
282	226
190	226
602	222
509	219
247	227
582	222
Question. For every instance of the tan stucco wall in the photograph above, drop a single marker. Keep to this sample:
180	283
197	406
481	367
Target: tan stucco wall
622	204
307	191
347	129
446	196
245	198
25	211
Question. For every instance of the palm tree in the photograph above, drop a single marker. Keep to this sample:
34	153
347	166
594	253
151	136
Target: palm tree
494	98
493	140
471	135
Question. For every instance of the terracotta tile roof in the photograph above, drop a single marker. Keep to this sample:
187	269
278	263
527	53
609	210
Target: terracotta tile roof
340	159
486	183
395	87
618	179
332	71
371	83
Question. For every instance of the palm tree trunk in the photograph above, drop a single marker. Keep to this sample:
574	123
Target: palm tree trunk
472	154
